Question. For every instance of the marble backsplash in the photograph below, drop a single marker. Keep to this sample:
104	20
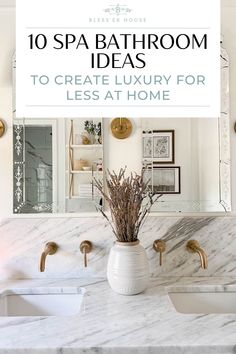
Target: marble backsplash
23	240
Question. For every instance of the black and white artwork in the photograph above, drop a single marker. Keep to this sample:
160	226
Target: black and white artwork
163	146
164	180
159	146
147	146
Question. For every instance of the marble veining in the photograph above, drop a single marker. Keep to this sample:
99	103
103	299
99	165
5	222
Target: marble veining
23	240
112	324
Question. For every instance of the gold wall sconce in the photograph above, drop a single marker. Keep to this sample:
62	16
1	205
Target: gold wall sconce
2	128
121	128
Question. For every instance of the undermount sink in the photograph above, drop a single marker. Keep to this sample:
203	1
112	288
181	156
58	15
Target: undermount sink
206	302
41	302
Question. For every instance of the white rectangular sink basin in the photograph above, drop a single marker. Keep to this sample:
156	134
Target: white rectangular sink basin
204	302
41	302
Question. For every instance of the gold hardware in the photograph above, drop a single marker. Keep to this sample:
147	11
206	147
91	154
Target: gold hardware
50	249
160	246
194	247
2	128
121	128
85	248
235	127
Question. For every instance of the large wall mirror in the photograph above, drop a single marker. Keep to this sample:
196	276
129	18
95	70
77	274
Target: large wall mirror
187	160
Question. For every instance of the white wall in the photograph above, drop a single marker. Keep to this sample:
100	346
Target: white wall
123	148
119	153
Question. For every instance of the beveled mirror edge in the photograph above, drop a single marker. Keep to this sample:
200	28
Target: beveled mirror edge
98	215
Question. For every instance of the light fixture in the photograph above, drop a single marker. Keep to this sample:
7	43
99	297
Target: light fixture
121	128
2	128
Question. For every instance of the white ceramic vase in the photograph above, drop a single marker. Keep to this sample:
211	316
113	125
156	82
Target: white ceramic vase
128	268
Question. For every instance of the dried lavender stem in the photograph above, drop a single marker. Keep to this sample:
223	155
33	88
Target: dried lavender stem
125	198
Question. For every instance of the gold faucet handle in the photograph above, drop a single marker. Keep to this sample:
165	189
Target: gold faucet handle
85	248
192	245
51	248
160	247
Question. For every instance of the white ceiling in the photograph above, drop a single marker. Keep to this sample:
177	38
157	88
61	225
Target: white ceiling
7	3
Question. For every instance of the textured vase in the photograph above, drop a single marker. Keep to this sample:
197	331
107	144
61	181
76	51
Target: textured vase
128	268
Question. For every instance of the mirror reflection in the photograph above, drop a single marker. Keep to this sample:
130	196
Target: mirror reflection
55	162
181	159
33	162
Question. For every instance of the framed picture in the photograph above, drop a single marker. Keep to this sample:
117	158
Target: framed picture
163	146
147	145
163	179
159	146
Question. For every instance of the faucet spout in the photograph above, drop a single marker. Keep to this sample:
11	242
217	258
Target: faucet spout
42	261
160	246
203	257
194	247
50	248
85	248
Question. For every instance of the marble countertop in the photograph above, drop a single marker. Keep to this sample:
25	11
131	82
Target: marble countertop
109	323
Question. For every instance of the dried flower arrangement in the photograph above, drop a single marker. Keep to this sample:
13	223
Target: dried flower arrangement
125	197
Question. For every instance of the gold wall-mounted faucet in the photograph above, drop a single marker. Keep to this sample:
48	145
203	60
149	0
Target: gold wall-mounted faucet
85	248
160	247
50	248
194	247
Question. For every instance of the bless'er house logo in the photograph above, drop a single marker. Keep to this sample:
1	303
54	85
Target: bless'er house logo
117	13
117	10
